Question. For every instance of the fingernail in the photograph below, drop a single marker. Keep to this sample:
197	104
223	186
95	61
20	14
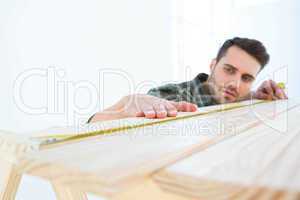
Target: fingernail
173	112
149	112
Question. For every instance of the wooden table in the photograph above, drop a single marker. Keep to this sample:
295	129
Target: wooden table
250	152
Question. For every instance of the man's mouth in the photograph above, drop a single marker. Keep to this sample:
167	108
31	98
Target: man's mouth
230	93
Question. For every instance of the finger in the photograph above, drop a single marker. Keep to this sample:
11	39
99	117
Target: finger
267	88
140	114
160	110
262	95
279	93
184	106
273	85
171	110
148	111
282	90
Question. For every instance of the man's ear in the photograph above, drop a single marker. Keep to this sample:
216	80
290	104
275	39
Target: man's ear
212	65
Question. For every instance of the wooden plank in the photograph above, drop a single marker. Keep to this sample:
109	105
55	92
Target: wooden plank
121	125
115	165
12	146
138	153
261	163
65	192
148	190
9	180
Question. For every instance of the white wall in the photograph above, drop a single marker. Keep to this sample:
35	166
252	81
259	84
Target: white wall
77	39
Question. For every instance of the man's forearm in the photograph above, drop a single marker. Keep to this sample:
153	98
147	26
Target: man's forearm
106	115
111	113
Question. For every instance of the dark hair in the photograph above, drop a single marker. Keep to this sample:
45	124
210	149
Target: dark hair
253	47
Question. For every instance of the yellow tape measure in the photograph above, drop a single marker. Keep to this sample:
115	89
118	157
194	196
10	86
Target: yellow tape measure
54	139
281	85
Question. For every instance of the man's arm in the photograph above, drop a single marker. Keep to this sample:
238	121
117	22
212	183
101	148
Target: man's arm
140	105
111	113
170	92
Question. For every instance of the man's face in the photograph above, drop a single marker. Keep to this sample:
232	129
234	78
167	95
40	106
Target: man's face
233	75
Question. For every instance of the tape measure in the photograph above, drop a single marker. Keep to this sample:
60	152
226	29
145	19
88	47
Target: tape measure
55	139
281	85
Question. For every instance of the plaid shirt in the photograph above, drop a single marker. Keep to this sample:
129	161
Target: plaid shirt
194	91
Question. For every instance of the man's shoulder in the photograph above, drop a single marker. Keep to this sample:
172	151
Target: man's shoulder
166	90
170	90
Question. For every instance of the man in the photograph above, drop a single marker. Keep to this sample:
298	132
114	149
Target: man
232	74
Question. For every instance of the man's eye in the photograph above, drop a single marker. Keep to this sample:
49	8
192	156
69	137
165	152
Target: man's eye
229	70
246	79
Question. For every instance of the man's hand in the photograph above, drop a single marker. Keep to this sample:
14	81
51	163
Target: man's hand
269	90
141	105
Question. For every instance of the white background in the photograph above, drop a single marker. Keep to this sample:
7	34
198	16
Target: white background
145	42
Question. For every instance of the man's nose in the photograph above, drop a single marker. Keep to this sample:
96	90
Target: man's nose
234	83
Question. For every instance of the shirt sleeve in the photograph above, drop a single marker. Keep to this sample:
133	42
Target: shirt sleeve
171	92
186	91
